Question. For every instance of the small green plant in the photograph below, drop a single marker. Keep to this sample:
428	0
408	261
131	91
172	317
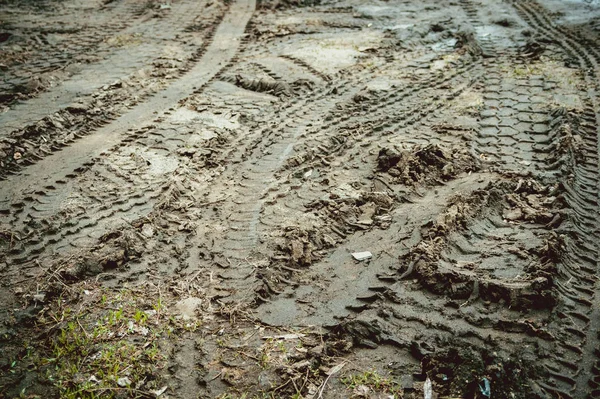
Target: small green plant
264	360
140	317
159	305
104	353
374	381
282	347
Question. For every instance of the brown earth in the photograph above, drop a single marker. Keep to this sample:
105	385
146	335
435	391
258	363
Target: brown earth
183	185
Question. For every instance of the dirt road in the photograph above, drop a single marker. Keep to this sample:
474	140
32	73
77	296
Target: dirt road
184	185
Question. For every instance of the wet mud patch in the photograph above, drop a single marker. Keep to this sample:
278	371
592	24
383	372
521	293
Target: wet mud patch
459	369
323	132
494	245
329	222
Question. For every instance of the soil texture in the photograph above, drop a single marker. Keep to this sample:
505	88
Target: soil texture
299	199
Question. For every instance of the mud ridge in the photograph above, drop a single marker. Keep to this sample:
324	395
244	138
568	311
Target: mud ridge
583	294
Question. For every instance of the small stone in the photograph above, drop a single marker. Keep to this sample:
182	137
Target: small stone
407	382
360	256
317	350
187	307
123	382
304	364
265	380
159	392
39	297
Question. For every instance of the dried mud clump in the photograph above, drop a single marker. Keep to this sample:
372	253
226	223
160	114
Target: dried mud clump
467	43
370	209
328	224
430	164
301	245
262	85
462	371
358	333
7	238
451	258
534	202
566	141
532	50
113	251
207	154
334	219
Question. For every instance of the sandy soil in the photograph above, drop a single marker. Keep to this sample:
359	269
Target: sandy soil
184	184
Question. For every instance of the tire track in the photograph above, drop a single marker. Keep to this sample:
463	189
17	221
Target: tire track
50	56
264	159
514	122
337	134
354	287
121	62
55	220
381	114
118	188
580	339
64	122
19	205
307	193
390	302
340	131
241	242
217	53
308	67
105	213
262	200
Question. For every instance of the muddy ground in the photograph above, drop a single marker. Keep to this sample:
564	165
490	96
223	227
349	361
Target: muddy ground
183	185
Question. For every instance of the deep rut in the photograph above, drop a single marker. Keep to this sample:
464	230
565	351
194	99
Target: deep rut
582	194
47	184
219	52
458	143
